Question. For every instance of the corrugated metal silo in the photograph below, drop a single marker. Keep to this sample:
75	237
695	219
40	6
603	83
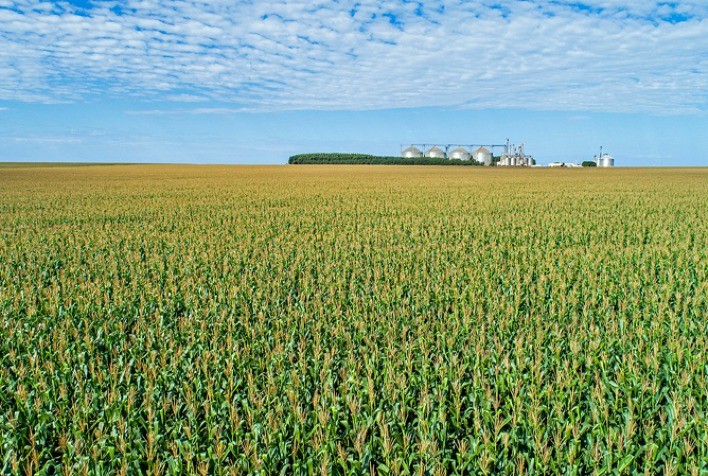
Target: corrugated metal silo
459	153
412	152
483	155
435	152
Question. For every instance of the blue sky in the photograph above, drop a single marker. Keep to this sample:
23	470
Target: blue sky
257	81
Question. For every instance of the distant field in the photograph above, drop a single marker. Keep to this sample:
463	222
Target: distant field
353	320
18	165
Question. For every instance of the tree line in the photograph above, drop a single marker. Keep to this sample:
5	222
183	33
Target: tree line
344	158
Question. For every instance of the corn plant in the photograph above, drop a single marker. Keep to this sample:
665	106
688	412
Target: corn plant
353	320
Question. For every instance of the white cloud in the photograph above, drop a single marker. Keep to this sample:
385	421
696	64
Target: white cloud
636	55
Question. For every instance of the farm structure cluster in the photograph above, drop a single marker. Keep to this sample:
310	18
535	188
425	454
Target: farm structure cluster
512	155
601	160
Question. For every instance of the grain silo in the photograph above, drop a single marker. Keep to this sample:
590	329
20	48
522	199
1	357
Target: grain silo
483	156
435	152
459	153
604	160
412	152
607	161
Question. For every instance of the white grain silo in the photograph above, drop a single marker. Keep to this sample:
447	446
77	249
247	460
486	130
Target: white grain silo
483	155
435	152
607	161
604	160
412	152
459	153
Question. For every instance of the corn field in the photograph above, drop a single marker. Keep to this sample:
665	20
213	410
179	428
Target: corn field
302	320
